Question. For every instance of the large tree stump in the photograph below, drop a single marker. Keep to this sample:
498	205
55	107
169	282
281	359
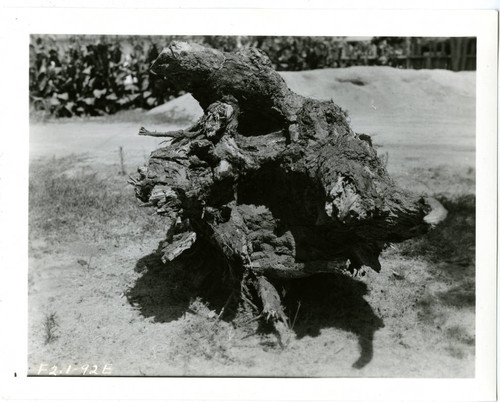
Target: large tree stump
275	183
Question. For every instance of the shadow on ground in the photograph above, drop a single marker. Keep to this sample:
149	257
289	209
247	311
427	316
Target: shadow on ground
333	300
165	292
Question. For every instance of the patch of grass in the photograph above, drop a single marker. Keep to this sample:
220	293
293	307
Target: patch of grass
430	312
443	181
455	352
449	253
204	335
69	203
458	333
462	295
451	241
61	200
50	325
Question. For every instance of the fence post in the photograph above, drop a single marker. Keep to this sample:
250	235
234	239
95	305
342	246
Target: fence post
122	162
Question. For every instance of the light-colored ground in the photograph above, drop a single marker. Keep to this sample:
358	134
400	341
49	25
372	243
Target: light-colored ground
419	309
430	112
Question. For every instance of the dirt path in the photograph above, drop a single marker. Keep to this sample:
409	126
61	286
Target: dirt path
100	140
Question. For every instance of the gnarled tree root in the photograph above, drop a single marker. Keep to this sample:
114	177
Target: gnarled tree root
277	184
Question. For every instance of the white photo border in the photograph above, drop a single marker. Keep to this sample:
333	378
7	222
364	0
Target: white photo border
18	24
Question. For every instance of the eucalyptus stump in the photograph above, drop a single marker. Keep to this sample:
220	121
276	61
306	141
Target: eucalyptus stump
276	185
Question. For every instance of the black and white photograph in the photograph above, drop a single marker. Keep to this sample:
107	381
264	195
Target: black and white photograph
270	206
255	205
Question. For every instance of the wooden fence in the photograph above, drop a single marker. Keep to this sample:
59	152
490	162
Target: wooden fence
457	54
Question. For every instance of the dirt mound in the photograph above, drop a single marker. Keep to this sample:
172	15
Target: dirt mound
184	107
367	90
385	89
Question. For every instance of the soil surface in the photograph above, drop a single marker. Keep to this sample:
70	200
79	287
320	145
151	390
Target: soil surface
99	296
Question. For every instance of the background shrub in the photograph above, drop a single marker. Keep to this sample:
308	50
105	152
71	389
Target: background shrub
96	75
74	77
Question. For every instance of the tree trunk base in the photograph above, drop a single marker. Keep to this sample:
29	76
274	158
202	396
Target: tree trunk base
278	186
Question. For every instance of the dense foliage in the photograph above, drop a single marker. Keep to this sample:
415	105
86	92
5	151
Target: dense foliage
93	78
96	75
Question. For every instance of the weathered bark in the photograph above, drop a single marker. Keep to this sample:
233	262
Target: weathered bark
277	183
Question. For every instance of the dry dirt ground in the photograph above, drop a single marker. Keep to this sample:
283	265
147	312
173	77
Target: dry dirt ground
98	295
